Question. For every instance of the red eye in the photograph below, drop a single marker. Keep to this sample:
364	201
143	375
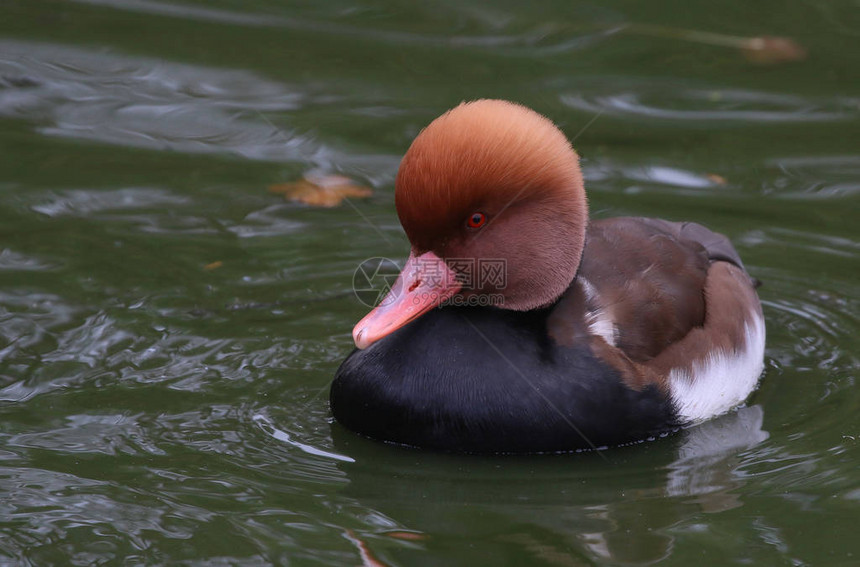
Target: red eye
477	220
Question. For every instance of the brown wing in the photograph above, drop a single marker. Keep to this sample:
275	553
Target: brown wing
643	292
649	278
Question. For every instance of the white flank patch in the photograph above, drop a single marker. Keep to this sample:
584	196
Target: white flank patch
599	322
601	325
721	381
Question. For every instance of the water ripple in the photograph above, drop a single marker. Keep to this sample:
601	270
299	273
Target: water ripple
697	107
604	173
150	103
83	203
546	37
281	435
13	261
815	177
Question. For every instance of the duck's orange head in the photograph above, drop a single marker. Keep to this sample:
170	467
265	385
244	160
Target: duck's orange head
490	195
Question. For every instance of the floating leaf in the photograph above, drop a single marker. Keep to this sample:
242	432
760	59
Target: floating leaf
762	50
321	190
768	50
716	179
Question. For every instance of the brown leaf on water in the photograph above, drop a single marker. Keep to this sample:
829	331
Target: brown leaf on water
321	190
771	50
716	178
762	50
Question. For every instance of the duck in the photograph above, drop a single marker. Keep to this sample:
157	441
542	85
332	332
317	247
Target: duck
519	324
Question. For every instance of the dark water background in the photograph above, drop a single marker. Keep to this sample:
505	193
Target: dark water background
156	411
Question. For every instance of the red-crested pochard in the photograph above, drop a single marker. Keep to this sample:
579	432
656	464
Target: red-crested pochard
519	326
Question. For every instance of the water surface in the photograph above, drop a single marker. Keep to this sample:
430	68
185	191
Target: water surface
169	328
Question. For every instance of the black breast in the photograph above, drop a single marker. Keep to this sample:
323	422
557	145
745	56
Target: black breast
490	381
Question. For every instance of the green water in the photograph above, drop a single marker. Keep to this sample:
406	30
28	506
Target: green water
155	411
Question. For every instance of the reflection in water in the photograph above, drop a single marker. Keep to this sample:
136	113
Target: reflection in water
705	472
551	499
707	460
